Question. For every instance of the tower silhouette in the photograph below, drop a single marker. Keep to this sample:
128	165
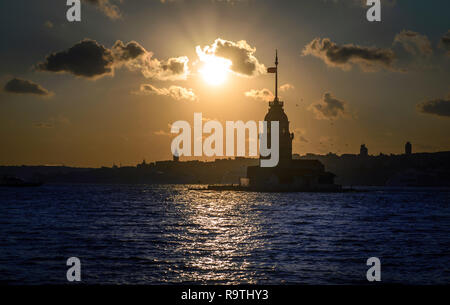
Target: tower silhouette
289	174
276	113
408	148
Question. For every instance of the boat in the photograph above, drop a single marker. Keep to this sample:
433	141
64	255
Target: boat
12	181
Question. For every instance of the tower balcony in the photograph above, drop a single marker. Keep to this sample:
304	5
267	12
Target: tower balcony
276	102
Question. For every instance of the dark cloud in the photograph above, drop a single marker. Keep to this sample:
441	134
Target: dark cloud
240	54
87	58
136	57
129	51
343	56
329	107
92	60
23	86
414	43
439	107
109	9
445	42
174	65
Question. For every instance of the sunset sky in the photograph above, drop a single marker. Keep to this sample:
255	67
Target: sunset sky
105	90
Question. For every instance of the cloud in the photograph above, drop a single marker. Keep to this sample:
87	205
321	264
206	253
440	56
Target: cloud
241	55
175	92
414	43
107	8
86	58
129	51
369	59
439	107
263	95
286	87
175	68
23	86
92	60
135	57
328	108
445	42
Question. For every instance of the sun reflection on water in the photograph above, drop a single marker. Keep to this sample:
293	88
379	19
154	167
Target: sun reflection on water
219	234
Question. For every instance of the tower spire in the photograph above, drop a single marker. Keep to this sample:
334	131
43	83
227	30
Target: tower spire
275	70
276	74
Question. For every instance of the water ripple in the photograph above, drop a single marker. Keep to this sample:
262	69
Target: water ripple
147	234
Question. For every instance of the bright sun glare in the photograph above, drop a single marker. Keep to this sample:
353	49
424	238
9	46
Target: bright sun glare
215	69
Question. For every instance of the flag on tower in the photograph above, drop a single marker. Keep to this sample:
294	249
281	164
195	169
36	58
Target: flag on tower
272	70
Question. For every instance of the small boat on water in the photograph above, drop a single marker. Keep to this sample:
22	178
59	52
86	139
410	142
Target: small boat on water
12	181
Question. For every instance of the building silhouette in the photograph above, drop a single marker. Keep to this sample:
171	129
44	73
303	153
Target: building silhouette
289	174
276	113
408	148
363	151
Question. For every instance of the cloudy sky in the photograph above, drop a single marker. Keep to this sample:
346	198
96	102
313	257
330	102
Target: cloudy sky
106	89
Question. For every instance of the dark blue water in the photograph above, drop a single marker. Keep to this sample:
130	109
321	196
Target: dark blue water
143	234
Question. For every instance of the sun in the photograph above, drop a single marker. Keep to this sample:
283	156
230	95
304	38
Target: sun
215	69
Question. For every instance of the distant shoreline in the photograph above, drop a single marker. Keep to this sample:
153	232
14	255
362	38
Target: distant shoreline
416	170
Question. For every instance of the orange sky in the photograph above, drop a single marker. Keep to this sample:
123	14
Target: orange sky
334	104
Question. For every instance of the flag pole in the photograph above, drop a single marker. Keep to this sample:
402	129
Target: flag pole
276	75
